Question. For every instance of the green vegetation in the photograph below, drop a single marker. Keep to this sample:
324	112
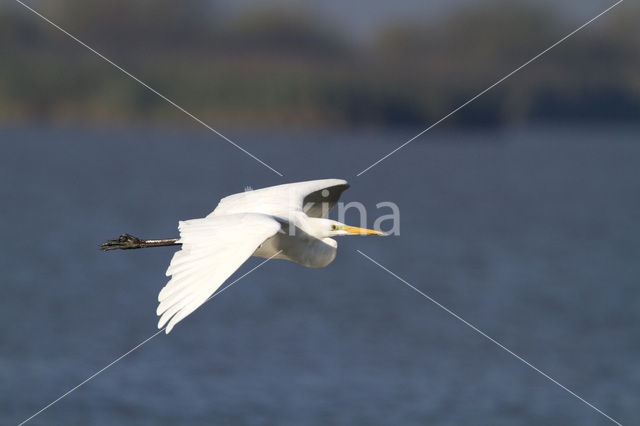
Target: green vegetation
275	67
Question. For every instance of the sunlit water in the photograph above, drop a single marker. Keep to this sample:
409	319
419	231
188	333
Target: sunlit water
530	234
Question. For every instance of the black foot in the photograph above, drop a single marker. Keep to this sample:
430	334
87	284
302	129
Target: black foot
124	242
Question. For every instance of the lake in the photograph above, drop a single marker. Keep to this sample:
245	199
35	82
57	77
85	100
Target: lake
530	234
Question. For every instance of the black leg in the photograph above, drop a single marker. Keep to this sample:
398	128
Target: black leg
128	242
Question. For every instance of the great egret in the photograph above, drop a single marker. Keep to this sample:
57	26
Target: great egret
284	222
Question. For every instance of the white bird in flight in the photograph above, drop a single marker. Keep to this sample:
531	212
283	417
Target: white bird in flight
283	222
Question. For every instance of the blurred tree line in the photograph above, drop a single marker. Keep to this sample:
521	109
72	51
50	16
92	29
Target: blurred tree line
273	66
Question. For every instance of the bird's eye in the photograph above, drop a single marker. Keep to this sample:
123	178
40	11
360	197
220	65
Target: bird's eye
334	227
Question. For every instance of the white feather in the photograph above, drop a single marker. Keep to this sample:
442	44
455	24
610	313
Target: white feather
212	249
280	201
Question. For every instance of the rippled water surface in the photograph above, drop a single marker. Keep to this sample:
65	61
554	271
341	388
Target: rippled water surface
529	234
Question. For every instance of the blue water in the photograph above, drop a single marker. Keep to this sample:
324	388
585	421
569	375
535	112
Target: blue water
531	234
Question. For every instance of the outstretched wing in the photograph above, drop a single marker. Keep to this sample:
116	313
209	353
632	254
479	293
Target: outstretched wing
282	200
212	249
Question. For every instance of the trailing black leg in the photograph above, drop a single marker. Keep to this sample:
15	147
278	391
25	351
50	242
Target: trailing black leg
128	242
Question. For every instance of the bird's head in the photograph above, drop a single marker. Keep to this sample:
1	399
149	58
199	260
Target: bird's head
333	228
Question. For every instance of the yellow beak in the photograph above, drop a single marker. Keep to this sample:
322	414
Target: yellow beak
353	230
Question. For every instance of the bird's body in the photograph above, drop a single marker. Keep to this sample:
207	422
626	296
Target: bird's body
283	222
295	206
299	247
